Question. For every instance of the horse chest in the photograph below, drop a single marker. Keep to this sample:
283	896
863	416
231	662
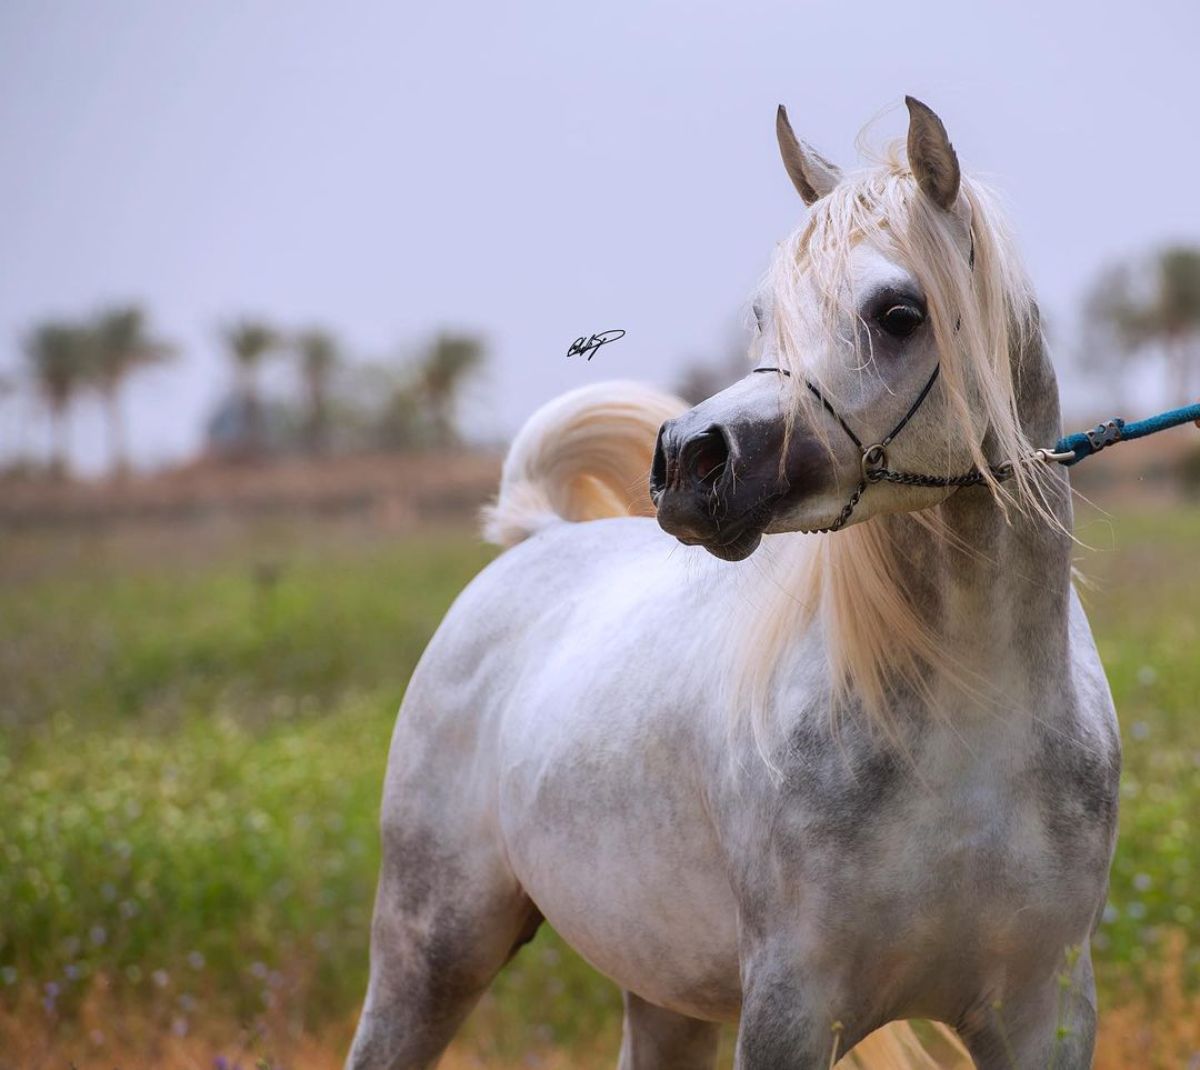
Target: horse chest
933	874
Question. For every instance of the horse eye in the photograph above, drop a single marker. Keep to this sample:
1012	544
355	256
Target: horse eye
901	320
758	315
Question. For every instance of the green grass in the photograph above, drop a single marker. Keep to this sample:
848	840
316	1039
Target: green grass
193	743
1144	604
190	772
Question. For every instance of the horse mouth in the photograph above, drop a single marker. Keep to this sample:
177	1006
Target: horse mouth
738	548
730	538
740	539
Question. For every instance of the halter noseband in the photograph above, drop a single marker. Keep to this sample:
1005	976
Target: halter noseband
874	458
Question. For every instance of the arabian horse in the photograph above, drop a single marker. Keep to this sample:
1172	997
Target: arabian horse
866	775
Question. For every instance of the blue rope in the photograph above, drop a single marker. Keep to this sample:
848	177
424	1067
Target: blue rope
1085	443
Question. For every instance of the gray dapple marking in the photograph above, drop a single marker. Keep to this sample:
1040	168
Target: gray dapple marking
571	743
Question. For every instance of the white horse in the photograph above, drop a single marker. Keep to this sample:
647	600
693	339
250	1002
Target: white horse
868	775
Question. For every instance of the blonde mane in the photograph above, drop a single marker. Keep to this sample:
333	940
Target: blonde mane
851	583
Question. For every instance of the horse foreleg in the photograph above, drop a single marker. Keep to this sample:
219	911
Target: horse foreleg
657	1039
784	1023
1049	1027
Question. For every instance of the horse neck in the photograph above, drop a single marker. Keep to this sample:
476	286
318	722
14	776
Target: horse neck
1002	606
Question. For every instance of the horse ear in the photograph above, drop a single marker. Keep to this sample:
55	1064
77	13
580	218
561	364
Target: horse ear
811	174
931	156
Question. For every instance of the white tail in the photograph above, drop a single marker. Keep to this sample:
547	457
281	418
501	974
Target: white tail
583	456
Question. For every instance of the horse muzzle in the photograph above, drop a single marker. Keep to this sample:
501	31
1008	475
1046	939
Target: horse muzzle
705	489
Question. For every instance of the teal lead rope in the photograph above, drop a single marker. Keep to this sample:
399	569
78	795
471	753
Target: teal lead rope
1084	443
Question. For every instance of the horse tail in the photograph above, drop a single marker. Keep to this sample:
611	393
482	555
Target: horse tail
583	456
898	1047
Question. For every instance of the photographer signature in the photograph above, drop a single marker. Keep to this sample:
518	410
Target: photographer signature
584	346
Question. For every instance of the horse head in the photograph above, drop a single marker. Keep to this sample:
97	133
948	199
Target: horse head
886	333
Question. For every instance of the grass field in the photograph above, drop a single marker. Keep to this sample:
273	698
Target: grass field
193	730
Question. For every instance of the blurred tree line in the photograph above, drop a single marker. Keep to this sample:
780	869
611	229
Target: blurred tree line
69	358
1150	309
341	404
1146	311
1139	312
345	405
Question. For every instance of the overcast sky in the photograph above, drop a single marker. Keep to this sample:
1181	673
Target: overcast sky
533	171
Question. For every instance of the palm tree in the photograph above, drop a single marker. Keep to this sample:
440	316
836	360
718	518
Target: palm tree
60	353
121	345
450	361
1137	312
250	342
319	356
8	386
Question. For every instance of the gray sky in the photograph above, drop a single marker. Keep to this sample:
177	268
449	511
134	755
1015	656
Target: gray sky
534	171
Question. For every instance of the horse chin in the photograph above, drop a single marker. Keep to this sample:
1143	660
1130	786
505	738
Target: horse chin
737	549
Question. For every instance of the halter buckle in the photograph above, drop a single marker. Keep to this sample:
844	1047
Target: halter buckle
874	462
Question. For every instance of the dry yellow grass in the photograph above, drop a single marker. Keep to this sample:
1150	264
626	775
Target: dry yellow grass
1158	1029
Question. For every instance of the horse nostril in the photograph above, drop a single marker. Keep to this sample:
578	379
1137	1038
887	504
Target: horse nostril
658	468
707	454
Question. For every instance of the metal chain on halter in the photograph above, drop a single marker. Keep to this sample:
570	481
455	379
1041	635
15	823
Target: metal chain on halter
847	511
874	458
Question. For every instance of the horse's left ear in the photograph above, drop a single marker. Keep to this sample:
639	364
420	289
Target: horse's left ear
931	156
811	174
